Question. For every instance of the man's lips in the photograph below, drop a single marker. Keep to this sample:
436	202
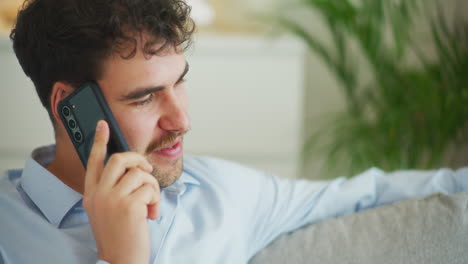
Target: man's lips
171	151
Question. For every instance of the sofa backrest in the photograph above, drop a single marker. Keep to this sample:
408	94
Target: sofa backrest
433	229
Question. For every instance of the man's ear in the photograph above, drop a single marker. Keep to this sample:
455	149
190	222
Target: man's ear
60	91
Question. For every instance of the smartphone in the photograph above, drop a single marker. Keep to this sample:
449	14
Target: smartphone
80	113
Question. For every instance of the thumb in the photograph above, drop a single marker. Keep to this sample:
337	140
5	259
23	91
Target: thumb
97	155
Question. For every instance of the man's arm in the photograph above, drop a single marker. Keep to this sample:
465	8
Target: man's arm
286	205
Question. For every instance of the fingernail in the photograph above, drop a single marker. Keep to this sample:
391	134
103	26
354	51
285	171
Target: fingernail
99	125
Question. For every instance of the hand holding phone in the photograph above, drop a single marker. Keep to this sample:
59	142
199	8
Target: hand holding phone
120	193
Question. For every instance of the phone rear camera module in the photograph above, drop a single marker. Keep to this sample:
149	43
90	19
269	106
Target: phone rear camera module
66	111
78	136
71	123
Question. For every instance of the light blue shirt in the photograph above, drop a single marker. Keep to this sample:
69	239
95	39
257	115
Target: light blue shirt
217	212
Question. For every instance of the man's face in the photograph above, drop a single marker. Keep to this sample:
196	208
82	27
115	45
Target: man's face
147	97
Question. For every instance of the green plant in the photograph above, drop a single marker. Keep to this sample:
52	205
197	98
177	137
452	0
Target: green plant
408	113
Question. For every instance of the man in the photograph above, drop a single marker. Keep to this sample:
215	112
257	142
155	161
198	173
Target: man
150	204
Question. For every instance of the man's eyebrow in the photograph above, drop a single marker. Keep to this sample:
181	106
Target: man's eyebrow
143	91
187	67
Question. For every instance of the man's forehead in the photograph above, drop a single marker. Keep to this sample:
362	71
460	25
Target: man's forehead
136	55
162	69
145	44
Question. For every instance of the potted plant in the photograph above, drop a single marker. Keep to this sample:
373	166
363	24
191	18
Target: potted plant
412	109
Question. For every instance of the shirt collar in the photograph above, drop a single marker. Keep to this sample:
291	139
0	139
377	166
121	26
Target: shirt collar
51	196
187	178
180	186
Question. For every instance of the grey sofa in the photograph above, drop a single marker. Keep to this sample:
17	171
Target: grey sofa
433	229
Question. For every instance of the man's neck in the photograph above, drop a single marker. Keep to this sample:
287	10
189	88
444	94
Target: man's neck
67	167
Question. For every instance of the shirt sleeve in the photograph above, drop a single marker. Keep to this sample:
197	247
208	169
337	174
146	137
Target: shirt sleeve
102	262
285	205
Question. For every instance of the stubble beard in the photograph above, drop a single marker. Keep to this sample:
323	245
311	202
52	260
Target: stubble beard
172	173
168	176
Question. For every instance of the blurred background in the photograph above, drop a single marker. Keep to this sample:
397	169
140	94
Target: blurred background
301	88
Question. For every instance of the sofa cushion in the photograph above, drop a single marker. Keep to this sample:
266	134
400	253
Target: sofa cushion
433	229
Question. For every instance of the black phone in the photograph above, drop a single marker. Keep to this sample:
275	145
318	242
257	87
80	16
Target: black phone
80	113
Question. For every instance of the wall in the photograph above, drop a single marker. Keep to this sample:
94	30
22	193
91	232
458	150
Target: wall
245	97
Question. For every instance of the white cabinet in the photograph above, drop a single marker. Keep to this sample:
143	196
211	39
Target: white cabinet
245	96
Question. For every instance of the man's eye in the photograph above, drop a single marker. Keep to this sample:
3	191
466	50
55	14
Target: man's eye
145	101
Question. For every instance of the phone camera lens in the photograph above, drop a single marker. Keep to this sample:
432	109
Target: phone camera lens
71	123
66	111
78	136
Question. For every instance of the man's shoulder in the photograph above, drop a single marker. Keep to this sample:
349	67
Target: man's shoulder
23	226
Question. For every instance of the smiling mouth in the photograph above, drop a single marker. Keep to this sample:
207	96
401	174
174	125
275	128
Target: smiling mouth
169	147
173	150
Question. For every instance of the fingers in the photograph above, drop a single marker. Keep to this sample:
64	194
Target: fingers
146	194
133	179
118	165
97	155
132	182
153	211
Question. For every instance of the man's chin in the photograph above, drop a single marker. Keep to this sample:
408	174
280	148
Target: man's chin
167	173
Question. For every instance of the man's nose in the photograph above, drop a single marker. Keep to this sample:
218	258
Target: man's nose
174	117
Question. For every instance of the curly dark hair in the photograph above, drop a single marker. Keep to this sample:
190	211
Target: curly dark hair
68	40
